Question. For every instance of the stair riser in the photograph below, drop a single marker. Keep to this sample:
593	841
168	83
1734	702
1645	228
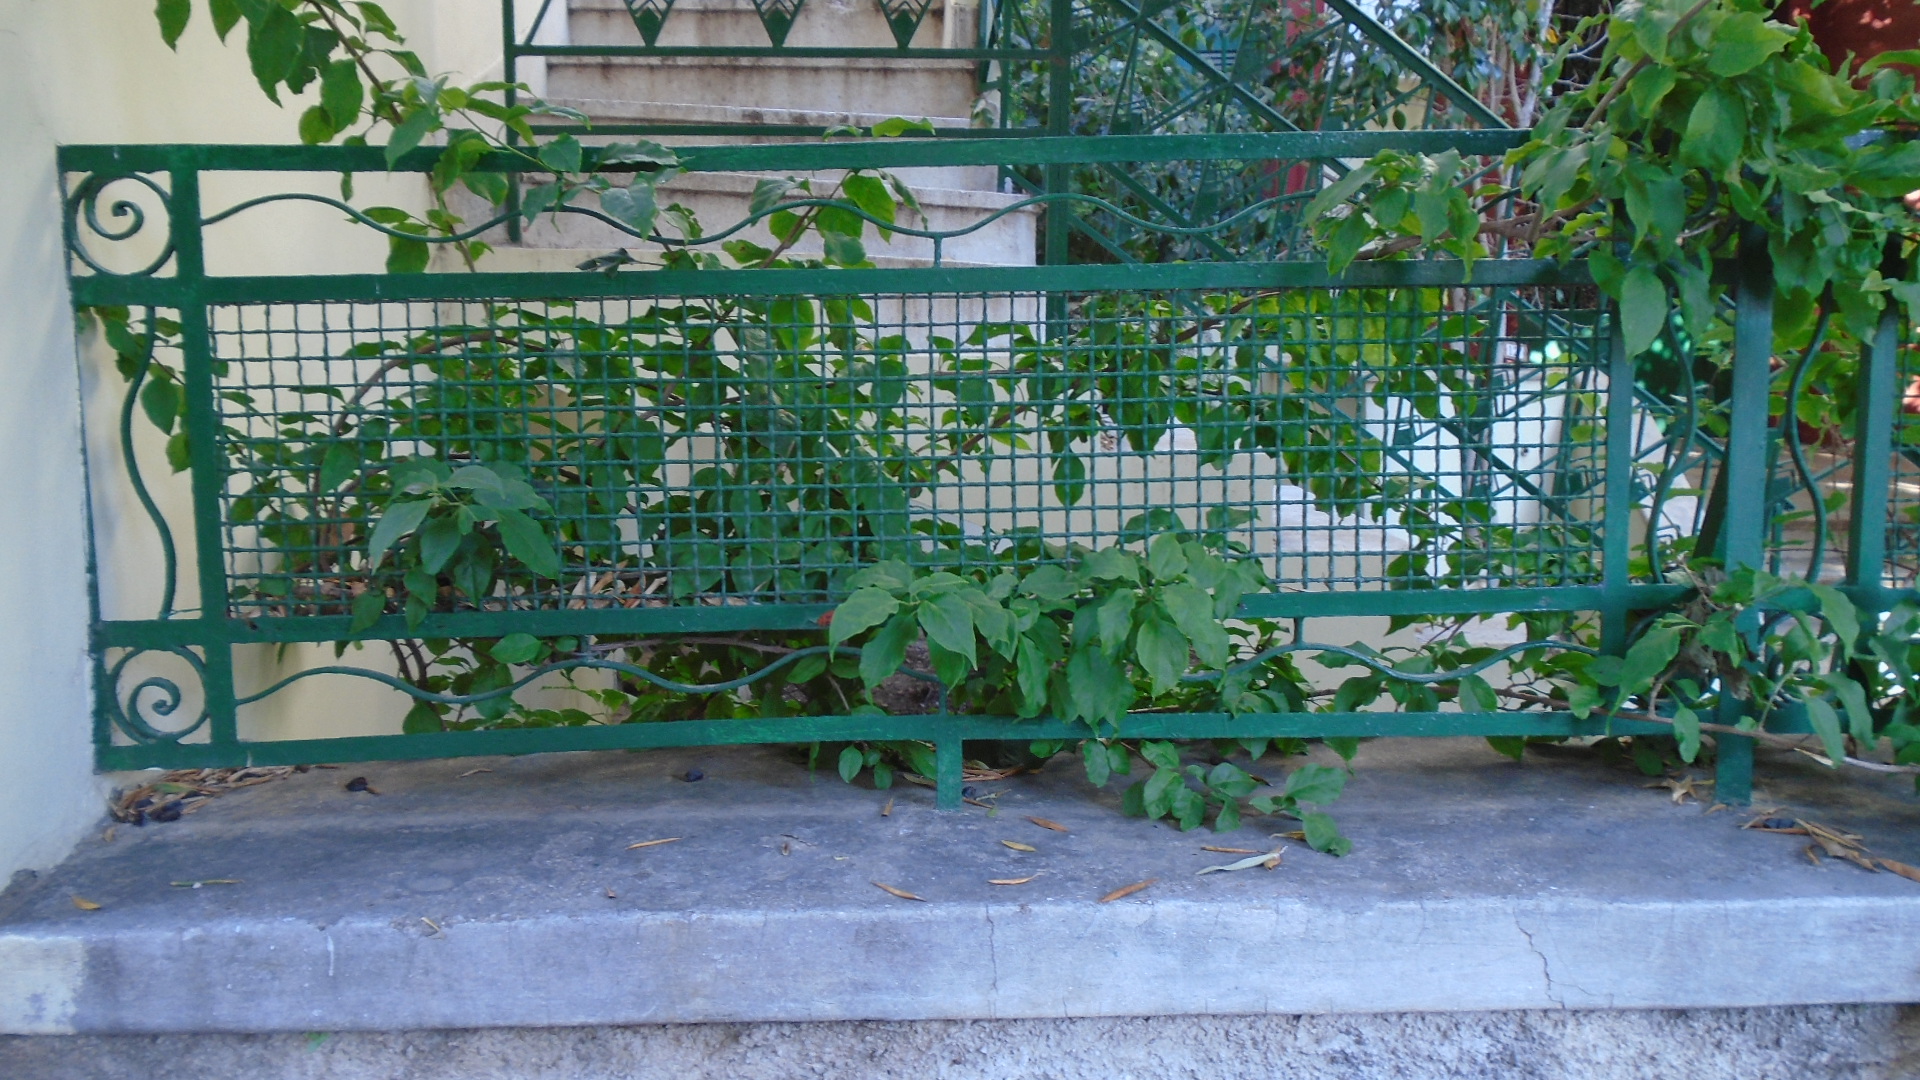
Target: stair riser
924	88
857	26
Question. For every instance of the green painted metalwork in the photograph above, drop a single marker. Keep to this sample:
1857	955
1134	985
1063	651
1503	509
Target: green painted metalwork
718	449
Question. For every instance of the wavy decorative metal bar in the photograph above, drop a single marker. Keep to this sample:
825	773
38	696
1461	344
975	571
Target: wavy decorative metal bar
170	570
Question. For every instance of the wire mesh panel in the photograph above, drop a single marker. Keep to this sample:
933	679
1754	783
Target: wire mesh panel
721	450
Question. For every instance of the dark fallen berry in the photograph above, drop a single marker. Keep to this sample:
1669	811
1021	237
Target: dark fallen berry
693	774
169	812
358	783
1779	823
969	792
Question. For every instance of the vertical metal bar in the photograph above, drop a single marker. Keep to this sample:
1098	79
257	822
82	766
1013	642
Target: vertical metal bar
1746	470
1058	177
947	764
205	460
1877	391
510	70
1617	522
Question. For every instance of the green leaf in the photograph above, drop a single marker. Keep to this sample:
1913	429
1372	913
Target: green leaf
807	668
948	621
1163	651
406	255
1035	673
173	16
1192	611
340	463
1716	130
1826	724
439	539
1686	731
1339	191
895	126
1841	615
341	94
870	194
1643	308
643	152
400	519
851	762
1582	700
367	609
422	719
527	541
1166	557
160	399
865	609
885	651
1476	695
315	127
1854	697
562	154
1648	657
1512	746
1098	765
1315	784
1160	753
841	249
1098	691
1323	835
1229	818
1743	41
634	206
1113	620
274	43
412	129
179	454
517	649
226	14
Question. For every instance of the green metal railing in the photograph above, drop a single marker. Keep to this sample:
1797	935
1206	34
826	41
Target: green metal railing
714	451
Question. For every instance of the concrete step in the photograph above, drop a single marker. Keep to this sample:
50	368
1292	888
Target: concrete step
918	87
721	199
821	23
457	898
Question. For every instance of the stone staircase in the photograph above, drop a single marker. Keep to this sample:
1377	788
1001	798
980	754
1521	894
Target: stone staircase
798	92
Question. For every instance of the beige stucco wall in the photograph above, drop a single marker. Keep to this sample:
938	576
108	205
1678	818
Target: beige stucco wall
74	71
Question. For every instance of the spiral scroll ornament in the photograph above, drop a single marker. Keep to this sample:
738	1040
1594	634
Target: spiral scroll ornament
125	220
155	696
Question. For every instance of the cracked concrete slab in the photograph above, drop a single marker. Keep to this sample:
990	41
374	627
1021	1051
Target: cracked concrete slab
510	898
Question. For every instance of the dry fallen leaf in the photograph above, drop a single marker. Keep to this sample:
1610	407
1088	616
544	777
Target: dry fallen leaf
887	810
977	802
107	837
611	895
85	904
1268	859
1045	824
437	932
901	893
1127	890
1911	873
1683	788
786	848
1232	850
1018	846
470	772
653	843
1297	834
1813	854
1011	880
204	881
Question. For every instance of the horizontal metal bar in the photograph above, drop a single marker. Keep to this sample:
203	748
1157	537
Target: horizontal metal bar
839	154
855	728
1307	605
159	633
772	52
912	281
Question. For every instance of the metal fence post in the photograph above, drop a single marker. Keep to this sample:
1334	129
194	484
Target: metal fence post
1744	535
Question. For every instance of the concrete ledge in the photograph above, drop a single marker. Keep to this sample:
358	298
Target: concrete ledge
483	901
